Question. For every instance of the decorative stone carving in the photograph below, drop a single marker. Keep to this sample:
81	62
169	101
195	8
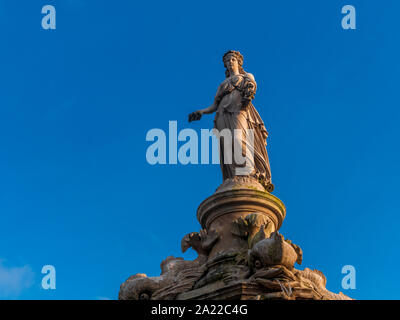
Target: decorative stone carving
254	227
222	208
177	275
278	282
241	254
245	259
273	251
139	287
225	268
201	242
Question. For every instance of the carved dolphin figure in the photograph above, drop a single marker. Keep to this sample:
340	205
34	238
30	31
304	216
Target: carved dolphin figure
273	251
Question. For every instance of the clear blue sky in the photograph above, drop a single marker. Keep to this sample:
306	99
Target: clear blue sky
76	103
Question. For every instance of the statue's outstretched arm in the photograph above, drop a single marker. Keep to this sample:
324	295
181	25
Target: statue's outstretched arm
210	109
194	116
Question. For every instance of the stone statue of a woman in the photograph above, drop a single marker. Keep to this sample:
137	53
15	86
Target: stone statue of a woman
234	110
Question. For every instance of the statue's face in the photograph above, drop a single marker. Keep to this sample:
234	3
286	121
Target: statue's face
232	64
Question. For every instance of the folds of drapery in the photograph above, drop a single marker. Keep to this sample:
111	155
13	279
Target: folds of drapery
253	144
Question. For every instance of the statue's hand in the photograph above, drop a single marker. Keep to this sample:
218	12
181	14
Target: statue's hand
194	116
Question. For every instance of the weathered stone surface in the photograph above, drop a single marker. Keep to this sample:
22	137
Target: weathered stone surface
241	254
240	182
220	210
234	111
221	291
273	251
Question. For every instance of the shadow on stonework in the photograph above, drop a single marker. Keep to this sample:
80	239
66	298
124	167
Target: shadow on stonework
241	254
263	268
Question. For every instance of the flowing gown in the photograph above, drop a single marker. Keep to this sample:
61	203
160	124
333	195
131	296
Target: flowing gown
235	111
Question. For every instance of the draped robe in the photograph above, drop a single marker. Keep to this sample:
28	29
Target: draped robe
235	111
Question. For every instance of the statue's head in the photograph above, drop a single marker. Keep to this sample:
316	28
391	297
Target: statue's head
233	62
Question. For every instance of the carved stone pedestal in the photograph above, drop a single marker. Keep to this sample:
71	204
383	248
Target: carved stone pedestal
221	291
218	212
241	254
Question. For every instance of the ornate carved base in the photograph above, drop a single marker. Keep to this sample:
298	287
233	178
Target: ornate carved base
221	291
247	290
224	208
241	255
